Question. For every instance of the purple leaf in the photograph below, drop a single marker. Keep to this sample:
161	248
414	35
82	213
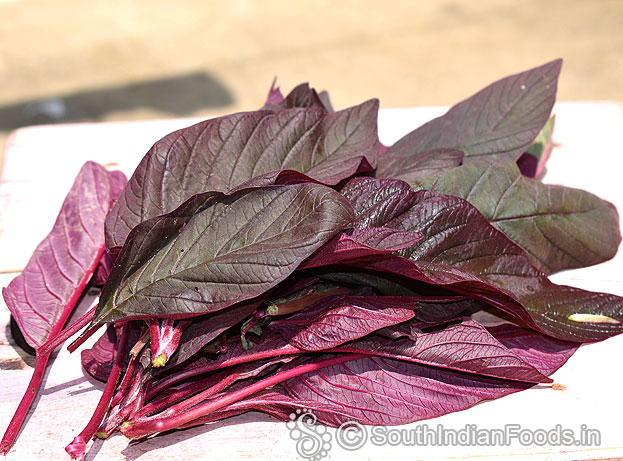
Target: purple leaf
410	167
221	153
502	120
435	312
545	353
104	269
338	319
98	360
382	391
385	238
466	346
559	227
462	252
235	248
42	297
378	201
459	239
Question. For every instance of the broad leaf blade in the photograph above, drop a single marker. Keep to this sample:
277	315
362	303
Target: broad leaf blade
466	346
461	251
499	121
382	391
336	320
235	249
559	227
42	297
221	153
410	166
459	239
545	353
152	235
385	238
378	201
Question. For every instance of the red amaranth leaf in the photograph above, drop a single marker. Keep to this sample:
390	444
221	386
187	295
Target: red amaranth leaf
464	346
336	320
559	227
382	391
98	360
221	153
501	120
42	297
234	248
410	167
547	354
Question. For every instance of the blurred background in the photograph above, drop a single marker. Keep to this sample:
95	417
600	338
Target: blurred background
75	60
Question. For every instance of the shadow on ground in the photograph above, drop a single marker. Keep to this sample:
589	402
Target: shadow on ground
180	95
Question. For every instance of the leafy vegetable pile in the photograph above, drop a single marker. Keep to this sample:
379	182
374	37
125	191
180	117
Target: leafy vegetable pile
284	258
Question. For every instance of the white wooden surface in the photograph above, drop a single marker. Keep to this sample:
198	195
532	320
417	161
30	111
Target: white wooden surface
40	164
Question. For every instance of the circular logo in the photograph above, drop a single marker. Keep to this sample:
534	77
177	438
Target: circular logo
351	435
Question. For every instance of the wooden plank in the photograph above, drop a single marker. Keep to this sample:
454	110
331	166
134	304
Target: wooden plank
40	164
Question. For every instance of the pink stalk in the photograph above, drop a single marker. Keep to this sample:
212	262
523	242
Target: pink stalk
172	396
22	410
83	337
129	372
131	401
165	338
195	399
140	428
77	447
212	417
217	365
56	338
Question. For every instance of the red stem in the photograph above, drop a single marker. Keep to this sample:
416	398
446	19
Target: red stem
83	337
171	397
22	410
139	428
53	343
77	447
129	371
154	334
216	365
165	338
188	402
130	401
56	338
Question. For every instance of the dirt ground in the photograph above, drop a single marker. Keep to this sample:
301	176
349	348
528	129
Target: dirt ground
76	60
